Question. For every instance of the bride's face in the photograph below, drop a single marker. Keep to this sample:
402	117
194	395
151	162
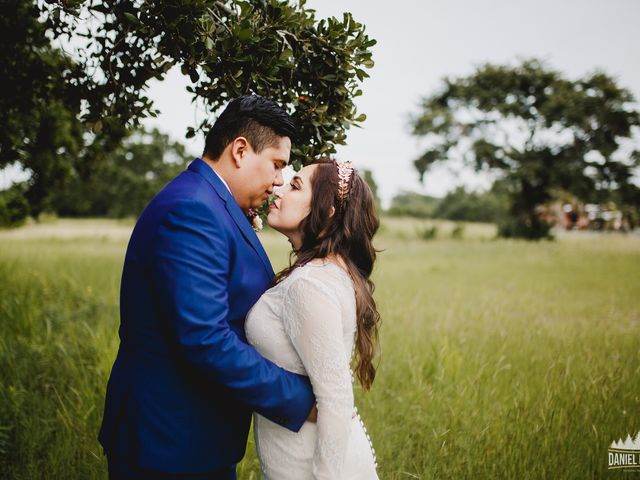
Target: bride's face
292	204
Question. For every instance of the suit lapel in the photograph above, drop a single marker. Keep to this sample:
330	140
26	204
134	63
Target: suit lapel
249	233
235	212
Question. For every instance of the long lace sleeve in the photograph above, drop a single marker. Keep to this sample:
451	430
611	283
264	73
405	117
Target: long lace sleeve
314	324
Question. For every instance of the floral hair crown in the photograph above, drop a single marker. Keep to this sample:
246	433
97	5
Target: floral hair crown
345	171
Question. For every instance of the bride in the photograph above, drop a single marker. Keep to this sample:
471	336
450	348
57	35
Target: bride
319	312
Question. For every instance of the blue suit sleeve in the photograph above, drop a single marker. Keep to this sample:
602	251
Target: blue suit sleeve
190	263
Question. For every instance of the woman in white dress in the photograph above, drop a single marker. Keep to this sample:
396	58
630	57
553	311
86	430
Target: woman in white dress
319	315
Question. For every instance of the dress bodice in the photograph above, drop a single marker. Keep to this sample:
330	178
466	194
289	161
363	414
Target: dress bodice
306	290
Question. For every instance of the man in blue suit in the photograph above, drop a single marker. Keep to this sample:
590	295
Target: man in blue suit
185	381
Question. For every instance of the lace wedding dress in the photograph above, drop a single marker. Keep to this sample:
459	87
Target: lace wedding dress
306	324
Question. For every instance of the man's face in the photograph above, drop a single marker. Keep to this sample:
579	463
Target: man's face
263	172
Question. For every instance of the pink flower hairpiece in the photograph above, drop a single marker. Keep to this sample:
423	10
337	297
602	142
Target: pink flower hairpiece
345	170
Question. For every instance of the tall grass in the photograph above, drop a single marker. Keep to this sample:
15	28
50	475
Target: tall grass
58	321
500	359
506	359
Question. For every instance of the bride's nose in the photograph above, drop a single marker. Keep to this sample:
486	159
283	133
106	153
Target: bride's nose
278	192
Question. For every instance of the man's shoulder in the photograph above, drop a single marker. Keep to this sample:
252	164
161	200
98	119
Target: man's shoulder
190	186
187	194
186	189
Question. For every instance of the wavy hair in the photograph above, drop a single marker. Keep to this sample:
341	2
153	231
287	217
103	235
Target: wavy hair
348	233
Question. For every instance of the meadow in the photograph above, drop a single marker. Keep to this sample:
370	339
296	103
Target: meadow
501	359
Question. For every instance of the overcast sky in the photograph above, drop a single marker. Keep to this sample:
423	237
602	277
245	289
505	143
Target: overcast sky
421	42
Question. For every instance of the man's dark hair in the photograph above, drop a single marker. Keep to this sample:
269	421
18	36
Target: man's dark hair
260	120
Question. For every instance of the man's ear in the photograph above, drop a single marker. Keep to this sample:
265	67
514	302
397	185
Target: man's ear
238	149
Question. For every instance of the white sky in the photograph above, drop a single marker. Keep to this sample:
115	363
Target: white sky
421	42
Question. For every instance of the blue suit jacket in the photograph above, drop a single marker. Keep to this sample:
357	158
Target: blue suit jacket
185	381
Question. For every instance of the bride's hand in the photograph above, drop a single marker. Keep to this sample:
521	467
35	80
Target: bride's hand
313	414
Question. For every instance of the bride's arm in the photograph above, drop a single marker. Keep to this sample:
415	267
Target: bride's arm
313	322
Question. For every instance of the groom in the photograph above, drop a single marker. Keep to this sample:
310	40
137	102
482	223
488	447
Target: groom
185	381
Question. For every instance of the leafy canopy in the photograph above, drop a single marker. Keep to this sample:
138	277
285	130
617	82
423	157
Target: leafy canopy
271	47
539	132
76	73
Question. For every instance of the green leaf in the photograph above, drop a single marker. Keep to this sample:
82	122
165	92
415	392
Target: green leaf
244	34
287	54
361	74
132	18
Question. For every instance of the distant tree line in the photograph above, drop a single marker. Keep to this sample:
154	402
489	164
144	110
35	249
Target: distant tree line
127	179
120	185
459	205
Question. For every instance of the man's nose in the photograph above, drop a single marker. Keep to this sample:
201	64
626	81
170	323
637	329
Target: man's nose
279	181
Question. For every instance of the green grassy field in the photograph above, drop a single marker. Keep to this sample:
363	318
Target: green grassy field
500	359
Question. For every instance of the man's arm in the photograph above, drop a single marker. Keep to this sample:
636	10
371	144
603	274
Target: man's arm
190	264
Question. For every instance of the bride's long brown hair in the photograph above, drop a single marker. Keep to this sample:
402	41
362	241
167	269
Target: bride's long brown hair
348	233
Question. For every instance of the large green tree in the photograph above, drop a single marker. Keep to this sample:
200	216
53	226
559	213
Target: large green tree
39	126
539	132
78	72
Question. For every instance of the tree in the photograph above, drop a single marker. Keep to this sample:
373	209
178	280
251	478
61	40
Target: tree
14	207
39	125
367	175
461	205
124	183
458	205
539	132
73	103
413	204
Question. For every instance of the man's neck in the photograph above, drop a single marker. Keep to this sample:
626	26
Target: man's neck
217	168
